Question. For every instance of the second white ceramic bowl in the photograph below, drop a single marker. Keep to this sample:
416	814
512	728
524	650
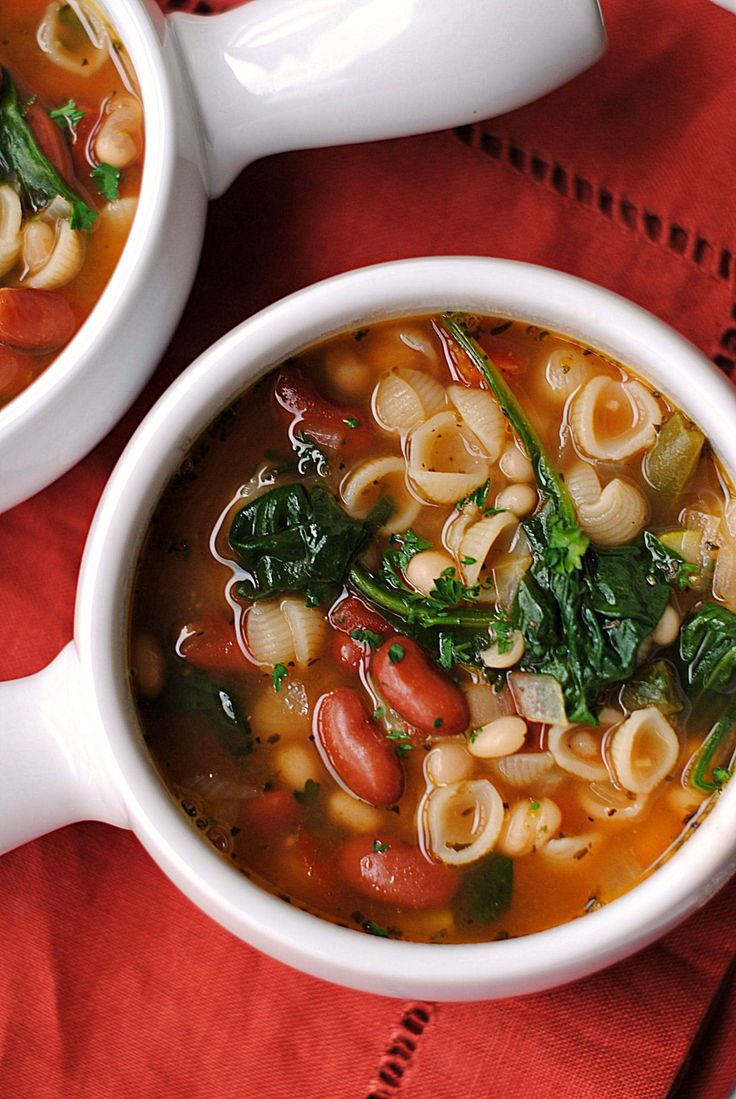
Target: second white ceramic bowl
71	747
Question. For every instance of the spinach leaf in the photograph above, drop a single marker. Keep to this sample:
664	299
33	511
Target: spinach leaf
705	757
654	684
486	890
583	610
708	651
21	159
290	539
197	691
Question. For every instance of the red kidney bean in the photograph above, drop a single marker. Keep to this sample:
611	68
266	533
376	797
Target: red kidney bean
211	645
400	875
270	815
417	689
355	749
347	616
35	320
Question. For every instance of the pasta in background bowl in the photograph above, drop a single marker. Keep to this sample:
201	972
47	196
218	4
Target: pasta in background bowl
519	778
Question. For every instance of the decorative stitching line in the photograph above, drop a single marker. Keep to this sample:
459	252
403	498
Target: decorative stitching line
401	1048
693	247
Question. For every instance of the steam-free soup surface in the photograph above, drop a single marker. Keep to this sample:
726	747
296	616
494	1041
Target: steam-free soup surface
419	641
71	155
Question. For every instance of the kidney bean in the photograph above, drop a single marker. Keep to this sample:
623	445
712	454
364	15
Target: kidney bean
35	320
417	689
270	815
355	750
347	616
327	424
211	645
401	875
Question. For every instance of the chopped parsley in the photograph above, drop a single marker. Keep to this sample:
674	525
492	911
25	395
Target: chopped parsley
534	806
478	496
475	733
82	217
721	775
379	847
368	637
278	675
449	590
375	928
502	632
408	545
404	744
396	653
107	180
67	115
437	723
379	712
352	422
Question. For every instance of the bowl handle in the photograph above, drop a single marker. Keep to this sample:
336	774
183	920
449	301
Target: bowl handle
51	769
275	75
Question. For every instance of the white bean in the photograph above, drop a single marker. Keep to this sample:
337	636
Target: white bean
498	738
425	567
356	815
530	825
515	465
448	763
296	763
520	498
667	628
492	657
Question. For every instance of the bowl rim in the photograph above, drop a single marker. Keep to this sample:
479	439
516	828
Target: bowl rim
531	963
134	23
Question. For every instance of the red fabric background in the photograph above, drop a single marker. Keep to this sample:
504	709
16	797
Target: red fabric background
111	983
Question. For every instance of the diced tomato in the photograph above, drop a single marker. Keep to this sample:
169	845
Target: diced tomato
326	424
417	689
211	645
50	141
270	815
35	320
316	865
463	370
401	875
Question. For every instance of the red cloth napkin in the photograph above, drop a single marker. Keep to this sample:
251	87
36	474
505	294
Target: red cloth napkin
111	983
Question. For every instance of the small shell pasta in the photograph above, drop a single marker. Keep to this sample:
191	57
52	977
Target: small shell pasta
610	516
642	750
577	750
442	465
405	397
604	801
569	850
529	826
10	223
463	821
613	419
64	261
93	49
284	631
367	483
524	768
479	540
565	371
482	415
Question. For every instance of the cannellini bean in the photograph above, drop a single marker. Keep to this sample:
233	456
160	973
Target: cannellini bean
296	763
515	465
148	665
425	567
498	738
446	764
529	826
119	139
492	657
667	628
520	498
353	814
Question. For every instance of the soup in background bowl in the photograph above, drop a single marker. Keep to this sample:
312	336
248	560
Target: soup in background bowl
433	630
81	746
71	152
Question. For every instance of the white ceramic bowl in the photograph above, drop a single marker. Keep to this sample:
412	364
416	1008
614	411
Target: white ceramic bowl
222	91
71	747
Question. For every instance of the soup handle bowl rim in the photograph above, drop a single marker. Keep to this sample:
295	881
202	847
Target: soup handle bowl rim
126	789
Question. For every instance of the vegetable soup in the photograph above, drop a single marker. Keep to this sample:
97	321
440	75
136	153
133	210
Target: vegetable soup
71	149
434	631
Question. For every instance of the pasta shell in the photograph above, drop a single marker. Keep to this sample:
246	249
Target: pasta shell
65	261
529	826
367	483
524	768
598	409
119	138
308	628
405	397
10	222
39	238
577	751
463	821
84	62
604	801
611	516
643	750
566	370
570	849
479	540
268	634
441	464
480	413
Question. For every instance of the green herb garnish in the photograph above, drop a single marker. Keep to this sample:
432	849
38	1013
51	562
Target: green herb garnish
378	847
368	637
107	179
278	675
351	421
67	116
395	653
309	794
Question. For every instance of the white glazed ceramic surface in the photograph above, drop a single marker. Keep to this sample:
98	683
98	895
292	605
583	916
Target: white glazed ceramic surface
71	748
218	93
